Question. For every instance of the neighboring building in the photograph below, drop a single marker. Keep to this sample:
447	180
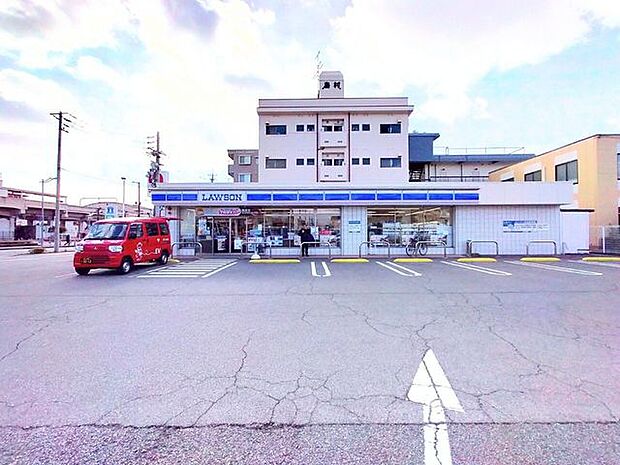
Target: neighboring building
245	165
592	165
20	215
102	210
333	139
457	165
340	166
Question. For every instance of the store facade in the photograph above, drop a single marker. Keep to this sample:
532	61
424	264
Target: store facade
234	219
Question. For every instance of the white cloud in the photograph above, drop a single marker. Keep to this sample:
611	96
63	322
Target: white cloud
445	47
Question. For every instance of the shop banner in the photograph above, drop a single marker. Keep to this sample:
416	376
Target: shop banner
523	226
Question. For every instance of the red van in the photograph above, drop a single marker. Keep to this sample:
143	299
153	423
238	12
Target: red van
120	243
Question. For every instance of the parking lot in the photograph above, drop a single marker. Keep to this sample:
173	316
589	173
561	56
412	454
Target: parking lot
227	361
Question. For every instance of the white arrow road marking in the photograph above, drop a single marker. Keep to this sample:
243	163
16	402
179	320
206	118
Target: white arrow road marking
325	269
480	269
432	389
563	269
394	267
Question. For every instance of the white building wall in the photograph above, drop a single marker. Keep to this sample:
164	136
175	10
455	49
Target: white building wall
486	223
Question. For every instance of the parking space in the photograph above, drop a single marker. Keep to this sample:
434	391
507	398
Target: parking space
202	268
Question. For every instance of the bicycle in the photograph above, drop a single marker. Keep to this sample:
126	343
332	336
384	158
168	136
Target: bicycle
416	245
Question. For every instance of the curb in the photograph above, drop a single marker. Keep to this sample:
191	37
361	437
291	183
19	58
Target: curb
275	261
412	260
601	259
540	259
349	260
476	260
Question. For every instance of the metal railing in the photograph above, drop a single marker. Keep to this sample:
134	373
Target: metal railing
470	245
373	244
542	241
329	247
194	244
431	243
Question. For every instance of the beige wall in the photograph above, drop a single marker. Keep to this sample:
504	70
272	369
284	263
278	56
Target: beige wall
597	171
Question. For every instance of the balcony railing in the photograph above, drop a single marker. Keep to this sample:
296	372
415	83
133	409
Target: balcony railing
416	178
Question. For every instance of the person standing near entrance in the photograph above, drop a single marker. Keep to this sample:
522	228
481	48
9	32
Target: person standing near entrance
306	236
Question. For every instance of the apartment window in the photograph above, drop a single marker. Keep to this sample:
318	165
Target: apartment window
275	129
355	161
509	179
365	127
310	161
245	160
327	162
355	127
365	161
390	162
244	177
275	163
299	128
300	162
567	172
337	128
389	128
338	162
327	128
533	176
310	127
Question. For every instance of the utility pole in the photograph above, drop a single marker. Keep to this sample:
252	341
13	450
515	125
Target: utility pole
63	126
154	172
123	179
138	183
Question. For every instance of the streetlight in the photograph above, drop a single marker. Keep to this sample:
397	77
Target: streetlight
123	179
43	181
138	183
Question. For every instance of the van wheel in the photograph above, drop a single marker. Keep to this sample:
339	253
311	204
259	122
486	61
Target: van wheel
163	259
126	266
82	271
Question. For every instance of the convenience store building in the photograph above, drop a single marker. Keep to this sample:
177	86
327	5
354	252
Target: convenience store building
234	218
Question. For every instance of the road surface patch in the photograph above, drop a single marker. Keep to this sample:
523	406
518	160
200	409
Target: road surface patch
479	269
193	269
563	269
275	261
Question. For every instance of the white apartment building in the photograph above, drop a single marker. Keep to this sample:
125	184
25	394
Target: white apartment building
333	139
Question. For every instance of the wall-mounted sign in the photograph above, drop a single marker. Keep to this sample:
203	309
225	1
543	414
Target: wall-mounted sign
354	226
220	197
523	226
110	211
223	211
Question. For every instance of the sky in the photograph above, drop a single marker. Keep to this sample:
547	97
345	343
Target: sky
536	74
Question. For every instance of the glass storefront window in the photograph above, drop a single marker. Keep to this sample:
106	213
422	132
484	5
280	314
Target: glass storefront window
399	225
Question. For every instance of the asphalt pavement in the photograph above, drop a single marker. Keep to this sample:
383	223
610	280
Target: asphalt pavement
227	362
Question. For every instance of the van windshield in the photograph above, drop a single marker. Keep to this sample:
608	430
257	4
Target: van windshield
106	231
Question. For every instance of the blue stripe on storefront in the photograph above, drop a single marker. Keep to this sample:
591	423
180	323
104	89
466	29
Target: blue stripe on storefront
440	196
173	197
190	197
310	197
391	196
280	197
415	196
158	197
363	196
466	196
259	197
337	196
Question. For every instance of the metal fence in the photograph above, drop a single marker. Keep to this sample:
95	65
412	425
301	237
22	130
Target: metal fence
605	239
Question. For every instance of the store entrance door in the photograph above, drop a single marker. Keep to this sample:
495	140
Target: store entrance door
228	235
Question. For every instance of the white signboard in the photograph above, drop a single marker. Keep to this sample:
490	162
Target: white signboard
523	226
110	211
355	226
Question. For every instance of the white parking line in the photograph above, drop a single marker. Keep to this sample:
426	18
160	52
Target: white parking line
563	269
313	269
408	270
479	269
219	269
390	266
610	265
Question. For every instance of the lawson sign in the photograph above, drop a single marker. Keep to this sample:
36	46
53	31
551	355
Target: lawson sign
201	196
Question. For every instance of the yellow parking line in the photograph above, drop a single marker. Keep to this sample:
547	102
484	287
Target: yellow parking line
349	260
601	259
412	260
540	259
476	260
275	260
